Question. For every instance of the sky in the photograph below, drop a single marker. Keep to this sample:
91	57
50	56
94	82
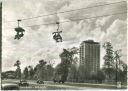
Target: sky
37	42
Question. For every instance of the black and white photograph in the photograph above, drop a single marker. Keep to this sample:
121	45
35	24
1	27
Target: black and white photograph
63	44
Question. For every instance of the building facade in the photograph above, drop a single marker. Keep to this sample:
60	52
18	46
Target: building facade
90	56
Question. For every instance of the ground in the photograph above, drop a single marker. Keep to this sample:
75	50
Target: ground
49	85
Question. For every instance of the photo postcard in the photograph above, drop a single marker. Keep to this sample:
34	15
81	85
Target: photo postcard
63	45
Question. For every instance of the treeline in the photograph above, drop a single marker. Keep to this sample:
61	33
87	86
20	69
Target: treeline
114	69
42	71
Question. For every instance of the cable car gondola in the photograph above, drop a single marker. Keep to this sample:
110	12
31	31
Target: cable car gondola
56	35
19	31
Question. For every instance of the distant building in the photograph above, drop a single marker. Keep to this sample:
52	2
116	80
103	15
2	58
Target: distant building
90	56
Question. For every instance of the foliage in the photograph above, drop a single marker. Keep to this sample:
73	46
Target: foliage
18	73
109	55
82	73
62	69
40	70
30	72
17	63
100	76
114	68
43	71
25	73
49	72
6	74
18	70
73	73
122	73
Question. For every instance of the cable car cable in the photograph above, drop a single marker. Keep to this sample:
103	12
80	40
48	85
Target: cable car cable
76	19
67	11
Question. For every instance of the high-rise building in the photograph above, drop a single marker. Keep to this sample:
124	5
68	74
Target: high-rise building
90	56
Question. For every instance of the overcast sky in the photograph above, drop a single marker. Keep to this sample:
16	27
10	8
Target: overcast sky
37	42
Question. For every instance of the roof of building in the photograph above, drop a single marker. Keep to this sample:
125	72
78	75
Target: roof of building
90	42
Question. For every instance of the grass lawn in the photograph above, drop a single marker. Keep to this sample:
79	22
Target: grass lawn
109	86
49	85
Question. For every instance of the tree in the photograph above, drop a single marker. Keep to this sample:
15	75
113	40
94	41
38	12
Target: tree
73	69
93	76
109	71
109	55
117	64
121	73
109	58
120	67
100	76
25	72
72	75
113	66
30	72
83	73
50	71
61	71
124	73
18	70
40	70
